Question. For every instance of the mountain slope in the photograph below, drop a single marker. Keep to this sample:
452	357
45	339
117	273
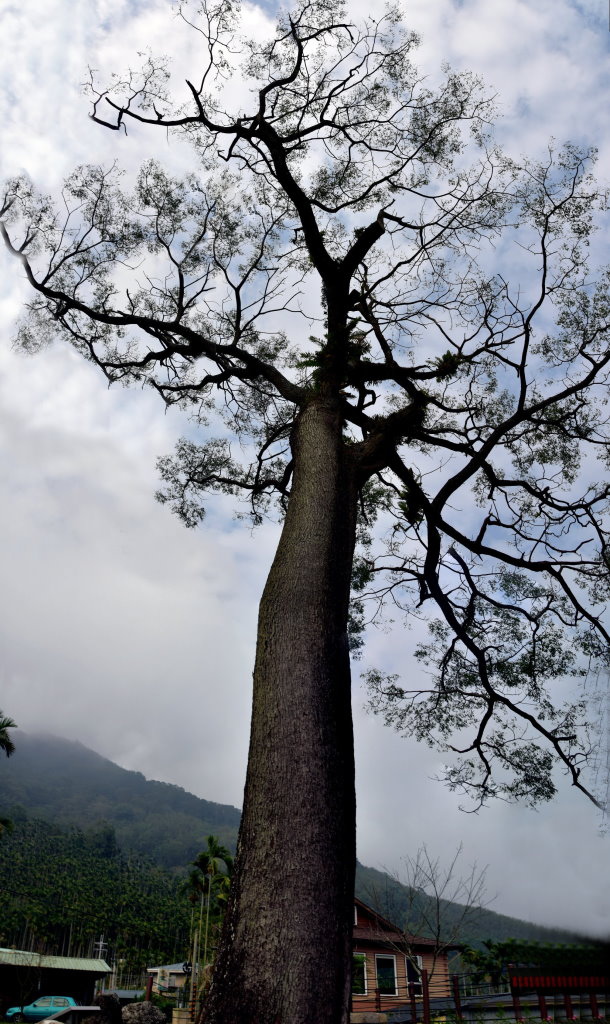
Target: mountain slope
61	889
414	910
67	784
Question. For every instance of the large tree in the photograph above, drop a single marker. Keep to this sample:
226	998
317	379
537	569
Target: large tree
346	194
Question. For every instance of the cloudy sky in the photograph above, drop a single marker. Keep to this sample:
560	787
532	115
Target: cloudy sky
120	628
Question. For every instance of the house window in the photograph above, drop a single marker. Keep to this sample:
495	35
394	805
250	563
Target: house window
414	968
359	974
386	975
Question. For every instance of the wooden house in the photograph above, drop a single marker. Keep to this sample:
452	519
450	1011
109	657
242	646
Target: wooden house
386	960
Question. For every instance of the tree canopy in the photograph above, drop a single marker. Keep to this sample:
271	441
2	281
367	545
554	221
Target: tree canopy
6	742
499	383
7	745
60	889
448	411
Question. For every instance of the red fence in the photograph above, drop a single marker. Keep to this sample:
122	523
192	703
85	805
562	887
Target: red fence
565	985
543	996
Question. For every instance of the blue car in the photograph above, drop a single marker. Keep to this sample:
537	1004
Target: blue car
46	1006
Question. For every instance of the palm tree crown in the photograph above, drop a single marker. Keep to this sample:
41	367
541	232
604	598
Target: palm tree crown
213	861
6	743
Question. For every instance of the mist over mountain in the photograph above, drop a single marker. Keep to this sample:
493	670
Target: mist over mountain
64	782
70	786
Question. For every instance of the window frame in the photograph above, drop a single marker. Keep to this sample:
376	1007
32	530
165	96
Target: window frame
386	956
364	963
416	962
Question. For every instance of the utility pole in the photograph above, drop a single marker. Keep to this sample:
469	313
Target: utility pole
100	949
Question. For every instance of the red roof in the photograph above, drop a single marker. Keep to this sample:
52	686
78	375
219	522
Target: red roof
376	928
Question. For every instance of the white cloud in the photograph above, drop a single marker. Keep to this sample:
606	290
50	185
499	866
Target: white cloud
121	629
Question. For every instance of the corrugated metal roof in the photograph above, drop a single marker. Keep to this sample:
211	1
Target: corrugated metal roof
25	958
170	968
124	993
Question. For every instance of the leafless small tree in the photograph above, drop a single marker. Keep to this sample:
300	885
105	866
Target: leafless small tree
442	901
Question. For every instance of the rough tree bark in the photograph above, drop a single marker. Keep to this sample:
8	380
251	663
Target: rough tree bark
293	886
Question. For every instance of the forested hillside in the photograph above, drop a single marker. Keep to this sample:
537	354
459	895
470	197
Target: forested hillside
61	890
98	865
68	784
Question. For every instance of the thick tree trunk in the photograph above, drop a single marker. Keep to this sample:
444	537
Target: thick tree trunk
286	950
